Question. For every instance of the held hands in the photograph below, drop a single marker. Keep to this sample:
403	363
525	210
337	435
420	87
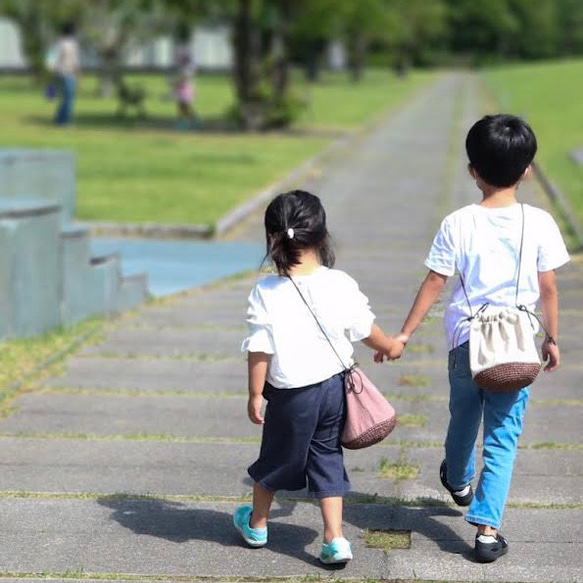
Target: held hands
254	409
551	355
395	351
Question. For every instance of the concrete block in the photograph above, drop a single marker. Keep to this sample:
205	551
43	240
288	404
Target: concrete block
30	267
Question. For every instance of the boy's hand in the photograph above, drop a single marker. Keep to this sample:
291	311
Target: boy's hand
254	409
551	355
396	350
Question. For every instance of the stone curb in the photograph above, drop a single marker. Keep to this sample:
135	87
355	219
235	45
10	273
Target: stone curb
148	230
231	219
557	196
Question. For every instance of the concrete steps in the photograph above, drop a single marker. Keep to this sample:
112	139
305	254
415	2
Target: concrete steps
48	277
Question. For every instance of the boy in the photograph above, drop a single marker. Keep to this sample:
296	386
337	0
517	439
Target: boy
482	242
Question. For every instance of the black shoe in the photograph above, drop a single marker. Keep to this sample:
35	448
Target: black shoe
464	500
489	552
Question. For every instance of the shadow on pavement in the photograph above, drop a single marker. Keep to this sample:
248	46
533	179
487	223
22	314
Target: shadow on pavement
176	522
422	519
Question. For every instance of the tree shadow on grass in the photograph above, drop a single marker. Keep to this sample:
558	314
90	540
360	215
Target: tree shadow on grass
149	123
177	522
169	124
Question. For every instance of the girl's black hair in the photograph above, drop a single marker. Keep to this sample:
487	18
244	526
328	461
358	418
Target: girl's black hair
303	212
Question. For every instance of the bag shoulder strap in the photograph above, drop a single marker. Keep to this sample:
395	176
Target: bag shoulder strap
318	323
472	315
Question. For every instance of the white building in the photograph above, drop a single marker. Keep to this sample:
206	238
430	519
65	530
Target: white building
211	48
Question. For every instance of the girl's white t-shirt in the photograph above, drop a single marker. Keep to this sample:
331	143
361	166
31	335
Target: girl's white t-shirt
280	324
483	245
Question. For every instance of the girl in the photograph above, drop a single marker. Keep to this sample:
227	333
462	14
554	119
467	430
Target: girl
293	366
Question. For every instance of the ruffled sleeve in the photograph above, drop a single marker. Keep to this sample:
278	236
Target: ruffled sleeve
359	316
260	338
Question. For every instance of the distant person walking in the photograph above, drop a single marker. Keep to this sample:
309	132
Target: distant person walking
183	82
67	72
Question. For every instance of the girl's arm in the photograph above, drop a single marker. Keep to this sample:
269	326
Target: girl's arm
549	302
390	347
257	363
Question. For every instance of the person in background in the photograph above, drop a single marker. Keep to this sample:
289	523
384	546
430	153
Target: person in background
67	72
183	82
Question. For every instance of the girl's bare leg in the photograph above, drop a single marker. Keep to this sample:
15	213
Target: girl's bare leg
262	500
331	509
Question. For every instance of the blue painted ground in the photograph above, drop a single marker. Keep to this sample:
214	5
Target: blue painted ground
175	266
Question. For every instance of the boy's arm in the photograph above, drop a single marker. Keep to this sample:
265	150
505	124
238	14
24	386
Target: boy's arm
426	297
379	341
549	301
257	363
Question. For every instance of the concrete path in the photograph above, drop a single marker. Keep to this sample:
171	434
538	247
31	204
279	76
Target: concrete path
129	465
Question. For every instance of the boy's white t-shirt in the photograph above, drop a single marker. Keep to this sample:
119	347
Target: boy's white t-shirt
280	324
483	245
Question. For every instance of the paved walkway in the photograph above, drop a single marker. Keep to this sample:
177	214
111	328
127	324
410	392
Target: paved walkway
158	408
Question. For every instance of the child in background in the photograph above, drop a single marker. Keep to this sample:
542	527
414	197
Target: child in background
183	82
482	242
292	365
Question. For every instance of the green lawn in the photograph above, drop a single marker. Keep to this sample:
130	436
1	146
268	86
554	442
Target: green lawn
20	358
550	97
138	171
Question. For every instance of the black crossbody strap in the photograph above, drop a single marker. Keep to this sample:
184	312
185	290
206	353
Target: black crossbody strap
472	315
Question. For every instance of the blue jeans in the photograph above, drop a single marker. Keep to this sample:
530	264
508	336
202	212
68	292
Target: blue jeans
503	419
64	113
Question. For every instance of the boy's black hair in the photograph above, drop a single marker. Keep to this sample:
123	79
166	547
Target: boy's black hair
500	148
303	212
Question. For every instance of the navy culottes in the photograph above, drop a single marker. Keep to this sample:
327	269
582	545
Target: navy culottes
301	440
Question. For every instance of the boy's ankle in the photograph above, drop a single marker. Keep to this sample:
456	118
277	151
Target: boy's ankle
487	530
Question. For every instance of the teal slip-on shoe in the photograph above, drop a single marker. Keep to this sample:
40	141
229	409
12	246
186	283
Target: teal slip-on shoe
338	550
254	537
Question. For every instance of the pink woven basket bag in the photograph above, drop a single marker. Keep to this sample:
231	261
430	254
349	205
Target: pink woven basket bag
369	416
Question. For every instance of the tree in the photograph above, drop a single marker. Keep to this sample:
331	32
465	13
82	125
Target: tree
112	27
419	28
539	28
481	28
570	24
39	21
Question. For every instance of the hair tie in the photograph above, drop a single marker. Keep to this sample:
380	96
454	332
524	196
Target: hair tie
290	233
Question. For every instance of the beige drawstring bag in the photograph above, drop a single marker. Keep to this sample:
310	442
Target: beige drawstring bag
503	352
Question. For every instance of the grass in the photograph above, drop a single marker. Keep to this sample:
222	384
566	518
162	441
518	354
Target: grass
387	540
398	471
421	348
412	420
20	359
412	380
140	171
549	96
